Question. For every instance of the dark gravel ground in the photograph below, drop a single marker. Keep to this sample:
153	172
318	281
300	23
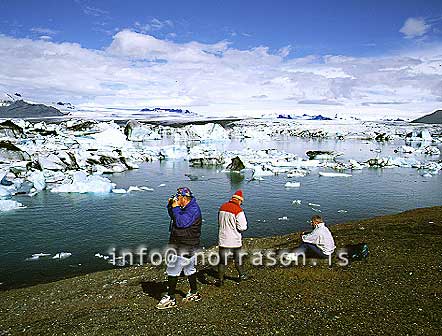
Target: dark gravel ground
397	291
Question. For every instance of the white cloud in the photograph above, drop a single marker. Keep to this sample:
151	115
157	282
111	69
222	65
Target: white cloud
152	25
139	70
44	31
414	27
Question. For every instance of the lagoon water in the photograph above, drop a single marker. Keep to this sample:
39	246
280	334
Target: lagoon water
85	224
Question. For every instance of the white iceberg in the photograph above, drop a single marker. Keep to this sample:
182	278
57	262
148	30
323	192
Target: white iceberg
328	174
37	256
296	202
8	205
62	255
147	189
119	191
111	137
38	179
82	183
292	184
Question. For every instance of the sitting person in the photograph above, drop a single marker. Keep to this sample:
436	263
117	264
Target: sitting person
319	243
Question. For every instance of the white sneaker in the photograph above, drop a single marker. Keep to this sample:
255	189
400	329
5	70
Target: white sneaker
192	297
166	302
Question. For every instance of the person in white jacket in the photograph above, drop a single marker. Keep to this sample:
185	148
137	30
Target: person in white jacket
231	223
319	243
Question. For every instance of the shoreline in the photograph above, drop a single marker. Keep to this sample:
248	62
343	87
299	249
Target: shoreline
403	267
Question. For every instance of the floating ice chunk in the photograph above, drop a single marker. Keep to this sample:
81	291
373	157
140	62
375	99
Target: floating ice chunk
427	175
314	205
297	173
134	188
405	149
284	218
51	162
292	184
296	202
86	184
355	165
4	192
317	210
162	185
37	256
38	179
173	152
431	150
327	174
101	256
62	255
119	191
207	132
147	189
111	137
8	205
342	211
259	171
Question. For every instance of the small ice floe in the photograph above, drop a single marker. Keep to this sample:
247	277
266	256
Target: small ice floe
37	256
162	185
292	185
284	218
322	155
133	188
314	205
8	205
119	191
354	165
296	202
431	150
81	183
405	149
317	210
101	256
297	173
328	174
427	175
147	189
62	255
342	211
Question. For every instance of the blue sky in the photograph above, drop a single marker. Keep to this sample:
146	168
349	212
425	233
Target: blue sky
290	43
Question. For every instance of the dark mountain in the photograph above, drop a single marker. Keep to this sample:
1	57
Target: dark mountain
433	118
22	109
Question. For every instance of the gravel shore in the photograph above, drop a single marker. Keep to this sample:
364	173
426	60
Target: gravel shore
396	291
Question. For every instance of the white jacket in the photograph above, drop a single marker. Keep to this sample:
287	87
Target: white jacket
322	238
231	222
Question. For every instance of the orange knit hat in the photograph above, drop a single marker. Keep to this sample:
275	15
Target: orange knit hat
238	195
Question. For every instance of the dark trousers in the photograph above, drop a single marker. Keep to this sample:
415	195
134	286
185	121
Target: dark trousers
311	250
224	254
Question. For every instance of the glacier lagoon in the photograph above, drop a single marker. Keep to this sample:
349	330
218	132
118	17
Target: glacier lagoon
86	224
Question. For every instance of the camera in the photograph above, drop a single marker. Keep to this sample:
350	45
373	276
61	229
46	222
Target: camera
173	198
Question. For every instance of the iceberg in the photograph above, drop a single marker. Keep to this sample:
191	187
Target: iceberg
8	205
81	183
38	180
37	256
207	132
327	174
111	137
292	185
62	255
119	191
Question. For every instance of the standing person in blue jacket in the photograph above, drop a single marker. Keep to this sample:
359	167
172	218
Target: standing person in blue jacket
185	232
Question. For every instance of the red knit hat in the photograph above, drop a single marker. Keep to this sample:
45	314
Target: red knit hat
238	195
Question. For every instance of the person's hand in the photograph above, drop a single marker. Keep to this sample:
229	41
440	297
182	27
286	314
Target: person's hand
175	203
